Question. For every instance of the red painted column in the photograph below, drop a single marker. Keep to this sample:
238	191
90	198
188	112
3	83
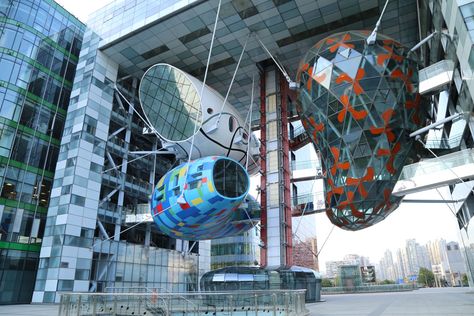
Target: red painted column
263	168
286	171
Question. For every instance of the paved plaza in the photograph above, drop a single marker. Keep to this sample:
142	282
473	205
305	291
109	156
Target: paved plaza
432	302
436	301
29	310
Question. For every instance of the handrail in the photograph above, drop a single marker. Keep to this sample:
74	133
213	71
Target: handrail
173	294
289	302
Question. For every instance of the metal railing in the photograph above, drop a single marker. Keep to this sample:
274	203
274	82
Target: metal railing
237	303
306	164
368	288
431	166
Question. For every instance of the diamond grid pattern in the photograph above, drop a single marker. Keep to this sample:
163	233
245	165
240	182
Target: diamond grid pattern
288	29
358	103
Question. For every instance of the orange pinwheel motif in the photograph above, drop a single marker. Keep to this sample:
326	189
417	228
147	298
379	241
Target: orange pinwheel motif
397	73
369	176
386	116
319	127
413	105
349	202
342	165
334	190
359	182
393	154
381	58
336	43
358	115
309	70
355	83
386	203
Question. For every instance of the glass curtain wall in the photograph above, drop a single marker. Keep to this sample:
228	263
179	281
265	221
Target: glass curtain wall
39	49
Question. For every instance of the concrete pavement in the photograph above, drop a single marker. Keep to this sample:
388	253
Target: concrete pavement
429	302
29	310
432	302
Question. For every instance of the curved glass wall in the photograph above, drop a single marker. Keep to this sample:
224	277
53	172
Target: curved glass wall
39	49
170	102
255	278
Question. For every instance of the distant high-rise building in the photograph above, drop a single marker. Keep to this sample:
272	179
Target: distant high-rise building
412	257
456	263
401	272
332	267
437	252
388	267
304	254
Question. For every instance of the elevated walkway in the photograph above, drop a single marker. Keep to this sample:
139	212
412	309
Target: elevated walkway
437	172
308	204
298	138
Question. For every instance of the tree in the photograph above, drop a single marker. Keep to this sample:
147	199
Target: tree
426	277
326	283
465	281
387	282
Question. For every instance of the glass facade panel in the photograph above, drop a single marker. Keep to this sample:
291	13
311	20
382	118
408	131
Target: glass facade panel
38	43
171	103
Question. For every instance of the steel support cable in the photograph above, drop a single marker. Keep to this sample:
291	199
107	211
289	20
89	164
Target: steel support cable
461	218
448	167
283	71
437	190
248	216
250	123
232	80
305	207
181	199
138	113
134	159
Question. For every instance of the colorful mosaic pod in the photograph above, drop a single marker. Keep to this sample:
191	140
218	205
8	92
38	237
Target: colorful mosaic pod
359	103
213	193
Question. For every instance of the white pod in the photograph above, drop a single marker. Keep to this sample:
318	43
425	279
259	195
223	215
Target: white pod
172	102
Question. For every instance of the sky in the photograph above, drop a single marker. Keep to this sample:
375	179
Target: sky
423	222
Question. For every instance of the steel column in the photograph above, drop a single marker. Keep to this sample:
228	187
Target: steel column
285	152
263	168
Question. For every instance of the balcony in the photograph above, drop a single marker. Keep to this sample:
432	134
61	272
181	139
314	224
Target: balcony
298	138
310	203
437	172
435	77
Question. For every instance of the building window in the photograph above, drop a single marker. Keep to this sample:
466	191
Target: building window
471	58
467	11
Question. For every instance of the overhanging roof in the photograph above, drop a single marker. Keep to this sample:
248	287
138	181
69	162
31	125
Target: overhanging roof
288	29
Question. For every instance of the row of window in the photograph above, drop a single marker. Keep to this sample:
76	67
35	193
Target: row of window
20	226
467	12
46	20
18	275
23	75
26	43
25	186
232	249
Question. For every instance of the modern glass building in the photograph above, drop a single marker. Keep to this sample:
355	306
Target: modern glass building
39	52
242	250
256	278
72	143
451	53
